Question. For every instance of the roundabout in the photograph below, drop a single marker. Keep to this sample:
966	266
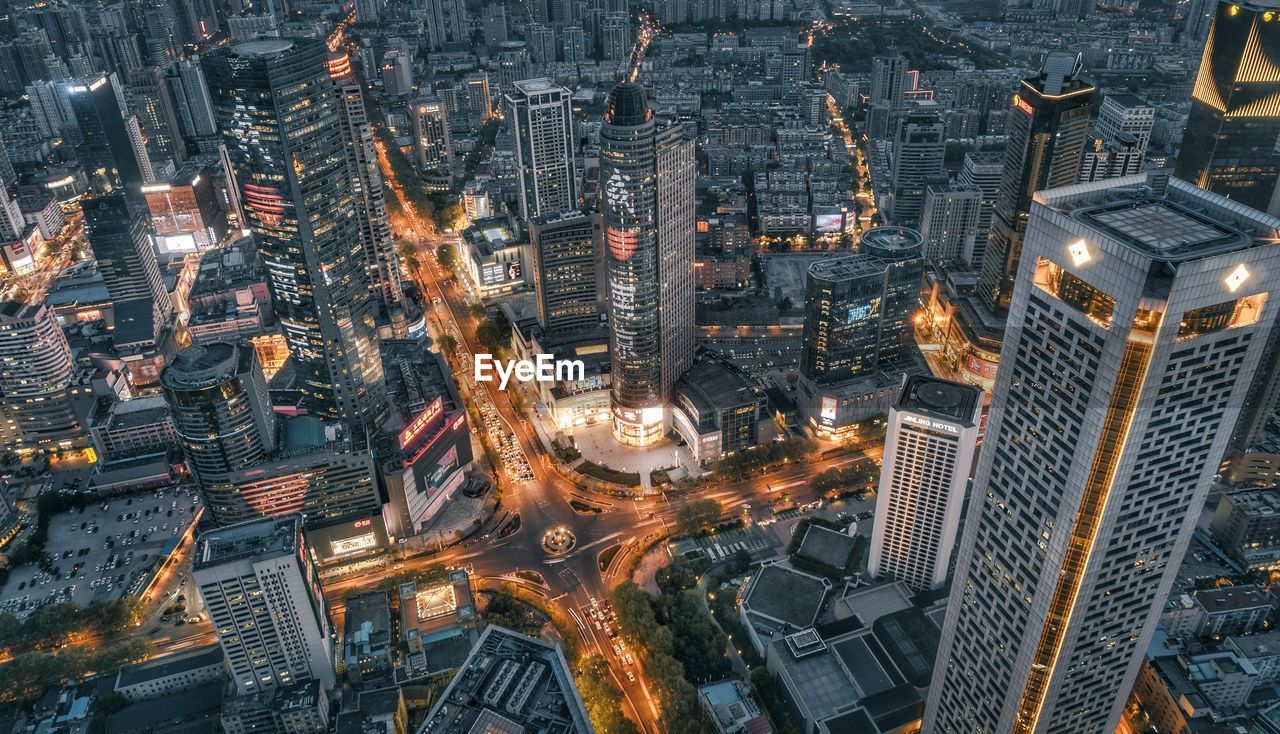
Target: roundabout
558	540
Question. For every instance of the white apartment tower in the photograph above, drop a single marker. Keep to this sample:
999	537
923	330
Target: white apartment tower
541	119
1139	313
928	452
262	593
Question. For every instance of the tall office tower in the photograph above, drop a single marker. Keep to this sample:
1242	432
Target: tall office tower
616	36
928	451
476	99
431	147
297	199
573	44
566	249
154	107
1195	24
125	256
647	181
541	117
1047	131
222	414
446	24
382	268
857	309
49	107
919	150
106	149
542	42
159	25
949	221
36	374
513	65
1229	146
1105	159
263	596
1122	114
982	170
195	106
1140	313
890	79
12	223
494	19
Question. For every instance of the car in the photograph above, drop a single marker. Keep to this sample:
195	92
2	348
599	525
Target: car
631	676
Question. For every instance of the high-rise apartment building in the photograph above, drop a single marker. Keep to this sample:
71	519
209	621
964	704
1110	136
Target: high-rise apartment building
222	414
541	117
446	23
858	308
1110	158
1126	114
1047	130
151	101
297	197
919	150
431	146
109	149
647	200
982	169
928	451
125	256
36	380
616	36
1229	146
566	255
263	596
949	221
1139	315
194	105
382	267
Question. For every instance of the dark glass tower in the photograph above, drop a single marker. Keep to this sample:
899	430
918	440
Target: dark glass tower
1047	131
647	176
283	128
1230	145
857	309
108	148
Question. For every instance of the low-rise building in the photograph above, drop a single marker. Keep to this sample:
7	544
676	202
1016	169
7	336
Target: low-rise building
494	257
368	639
439	625
167	674
1246	525
732	709
1231	610
780	600
716	409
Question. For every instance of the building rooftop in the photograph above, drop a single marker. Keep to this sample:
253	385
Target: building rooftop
940	398
1230	599
265	538
1255	502
784	594
167	665
826	546
510	683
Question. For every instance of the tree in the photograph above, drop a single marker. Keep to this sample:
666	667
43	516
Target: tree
447	344
447	256
785	303
698	516
603	701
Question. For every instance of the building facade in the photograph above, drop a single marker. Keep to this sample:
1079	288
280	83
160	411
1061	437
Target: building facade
566	259
541	119
1139	314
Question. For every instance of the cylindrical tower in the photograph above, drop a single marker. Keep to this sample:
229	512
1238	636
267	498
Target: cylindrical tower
223	418
36	372
631	260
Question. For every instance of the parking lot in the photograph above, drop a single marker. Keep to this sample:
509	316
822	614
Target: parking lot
102	551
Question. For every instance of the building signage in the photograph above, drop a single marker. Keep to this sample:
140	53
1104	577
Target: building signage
930	423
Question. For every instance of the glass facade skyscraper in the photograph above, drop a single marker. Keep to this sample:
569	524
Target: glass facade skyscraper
647	173
1230	145
1140	313
282	124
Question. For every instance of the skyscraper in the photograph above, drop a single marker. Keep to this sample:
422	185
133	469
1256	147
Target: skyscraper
194	105
1136	323
154	106
566	250
1229	146
541	119
647	181
297	197
263	596
36	375
1122	114
919	150
984	171
1047	130
949	221
857	308
431	146
446	23
125	256
109	150
222	414
381	265
928	452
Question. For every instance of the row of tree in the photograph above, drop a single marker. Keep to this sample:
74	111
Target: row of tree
762	456
28	673
50	626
